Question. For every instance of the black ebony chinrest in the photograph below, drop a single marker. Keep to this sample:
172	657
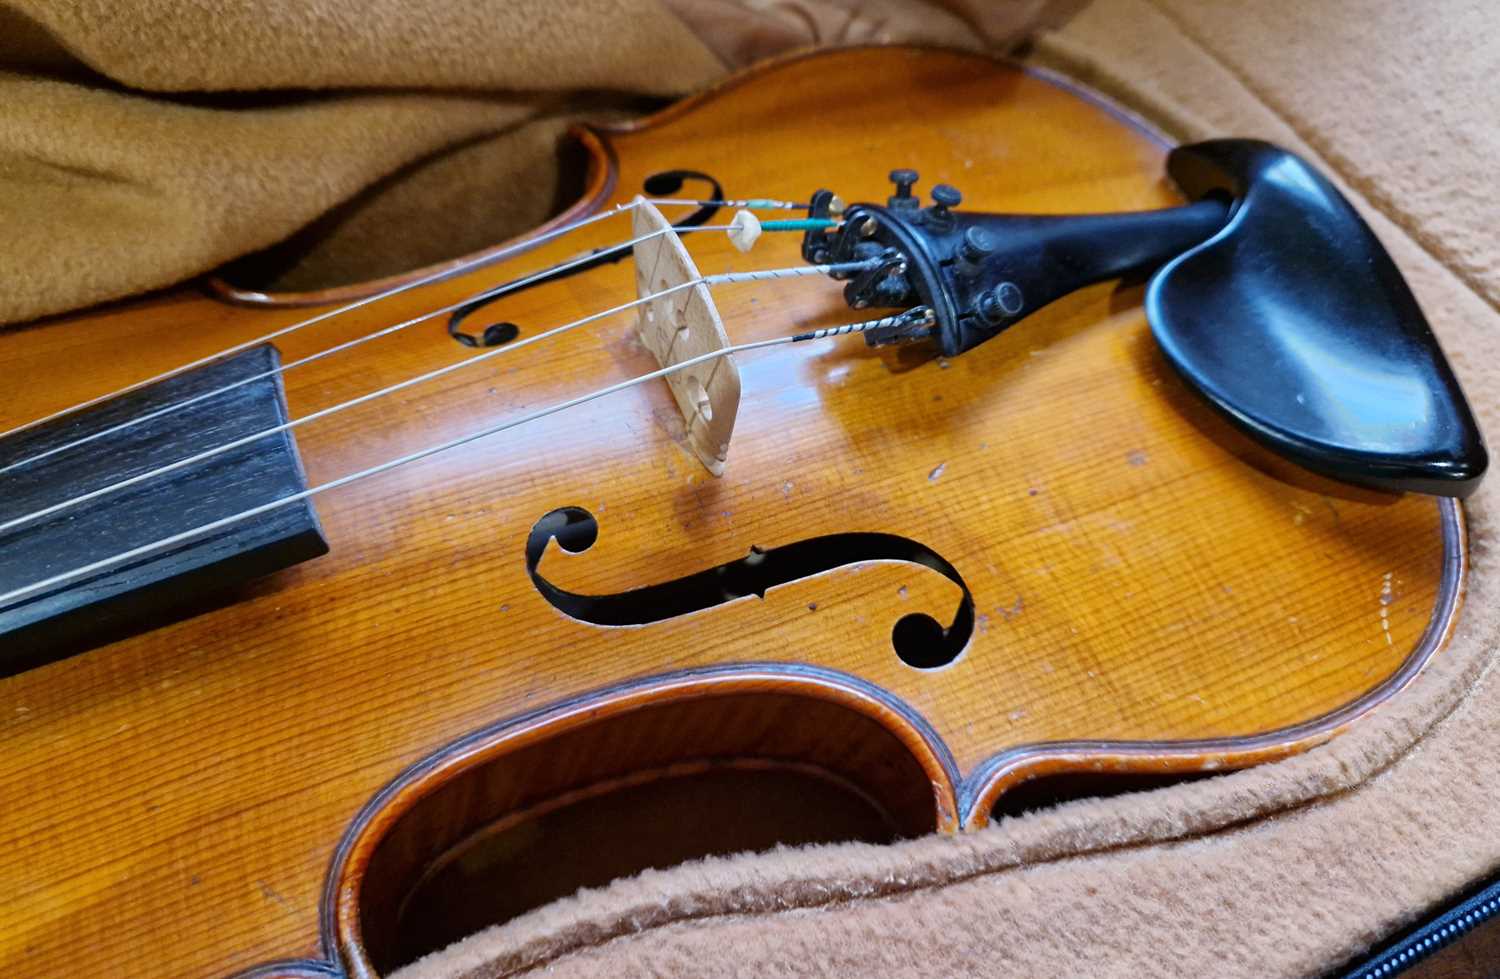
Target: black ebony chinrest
1296	324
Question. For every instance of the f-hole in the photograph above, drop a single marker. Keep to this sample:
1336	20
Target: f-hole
920	640
662	184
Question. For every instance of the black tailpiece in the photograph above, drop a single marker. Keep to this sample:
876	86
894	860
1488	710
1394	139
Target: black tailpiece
1270	295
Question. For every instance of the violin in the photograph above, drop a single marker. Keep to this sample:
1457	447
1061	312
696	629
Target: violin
754	499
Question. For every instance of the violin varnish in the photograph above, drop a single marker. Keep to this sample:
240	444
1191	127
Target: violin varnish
681	326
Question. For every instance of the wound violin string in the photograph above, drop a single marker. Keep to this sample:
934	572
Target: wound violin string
462	267
724	278
494	292
10	598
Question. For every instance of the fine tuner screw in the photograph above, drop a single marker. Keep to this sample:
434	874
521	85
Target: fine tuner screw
977	244
903	179
945	196
938	216
1001	303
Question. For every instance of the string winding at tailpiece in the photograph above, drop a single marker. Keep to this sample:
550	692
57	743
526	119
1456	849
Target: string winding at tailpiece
910	326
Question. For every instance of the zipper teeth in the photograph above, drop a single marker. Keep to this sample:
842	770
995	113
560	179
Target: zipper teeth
1414	948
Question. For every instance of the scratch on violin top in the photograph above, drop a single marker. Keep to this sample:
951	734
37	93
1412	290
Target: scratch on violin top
270	894
937	473
1011	611
1385	607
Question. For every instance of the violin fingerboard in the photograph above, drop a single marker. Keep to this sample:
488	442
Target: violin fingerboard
143	592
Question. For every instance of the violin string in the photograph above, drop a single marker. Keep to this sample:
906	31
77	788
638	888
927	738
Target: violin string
440	275
724	278
437	276
492	293
7	599
750	204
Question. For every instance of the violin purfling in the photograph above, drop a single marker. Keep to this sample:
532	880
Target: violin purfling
614	542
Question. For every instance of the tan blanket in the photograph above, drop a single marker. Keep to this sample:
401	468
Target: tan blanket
144	142
1282	870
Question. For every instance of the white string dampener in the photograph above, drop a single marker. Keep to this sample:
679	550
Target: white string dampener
682	325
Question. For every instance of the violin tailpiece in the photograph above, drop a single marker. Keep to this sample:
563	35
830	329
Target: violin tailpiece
1268	293
680	326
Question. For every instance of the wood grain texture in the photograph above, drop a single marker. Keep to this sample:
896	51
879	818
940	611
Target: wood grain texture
1143	575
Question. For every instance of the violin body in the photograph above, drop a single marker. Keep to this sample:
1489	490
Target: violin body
504	638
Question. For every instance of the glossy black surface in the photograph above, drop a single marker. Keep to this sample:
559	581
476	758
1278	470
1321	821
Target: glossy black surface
1295	323
980	274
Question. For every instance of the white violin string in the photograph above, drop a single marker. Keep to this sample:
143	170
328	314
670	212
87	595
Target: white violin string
708	280
750	204
27	591
433	277
494	292
469	265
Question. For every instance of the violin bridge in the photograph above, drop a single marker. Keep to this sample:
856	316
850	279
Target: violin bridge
683	325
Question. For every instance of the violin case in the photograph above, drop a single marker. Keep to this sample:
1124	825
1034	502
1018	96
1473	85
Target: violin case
1338	862
1302	867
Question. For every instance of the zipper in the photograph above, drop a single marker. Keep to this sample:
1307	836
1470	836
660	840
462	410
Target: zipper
1429	938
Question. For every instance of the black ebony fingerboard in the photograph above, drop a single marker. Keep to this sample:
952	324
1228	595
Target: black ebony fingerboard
120	600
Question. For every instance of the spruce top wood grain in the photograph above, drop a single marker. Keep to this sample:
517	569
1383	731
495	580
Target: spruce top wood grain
1150	592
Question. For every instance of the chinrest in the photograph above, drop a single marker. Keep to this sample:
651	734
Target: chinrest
1295	323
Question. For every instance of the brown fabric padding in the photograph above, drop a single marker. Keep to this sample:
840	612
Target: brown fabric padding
1282	870
106	190
132	157
109	186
